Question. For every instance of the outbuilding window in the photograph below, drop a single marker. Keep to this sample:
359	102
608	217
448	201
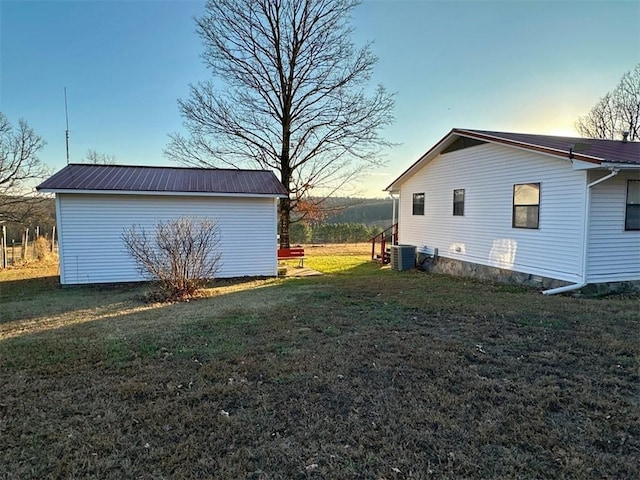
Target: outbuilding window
418	203
458	202
632	216
526	205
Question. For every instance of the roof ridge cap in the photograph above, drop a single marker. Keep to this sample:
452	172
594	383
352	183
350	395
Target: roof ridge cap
174	167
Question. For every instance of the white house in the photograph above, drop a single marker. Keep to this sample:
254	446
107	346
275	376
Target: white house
551	210
95	203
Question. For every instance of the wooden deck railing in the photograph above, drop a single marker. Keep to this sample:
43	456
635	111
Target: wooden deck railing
388	236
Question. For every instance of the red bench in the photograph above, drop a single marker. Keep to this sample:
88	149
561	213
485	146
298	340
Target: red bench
295	253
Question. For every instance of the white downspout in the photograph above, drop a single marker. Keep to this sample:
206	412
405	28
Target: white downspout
583	283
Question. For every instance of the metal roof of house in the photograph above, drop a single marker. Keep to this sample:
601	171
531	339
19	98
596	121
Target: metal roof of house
595	151
589	149
124	178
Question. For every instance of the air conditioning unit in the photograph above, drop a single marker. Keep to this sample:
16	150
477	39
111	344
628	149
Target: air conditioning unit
403	257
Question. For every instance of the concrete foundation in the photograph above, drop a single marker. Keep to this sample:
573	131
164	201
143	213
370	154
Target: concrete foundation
460	268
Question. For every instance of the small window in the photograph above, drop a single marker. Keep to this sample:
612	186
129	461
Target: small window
632	216
458	202
526	205
418	203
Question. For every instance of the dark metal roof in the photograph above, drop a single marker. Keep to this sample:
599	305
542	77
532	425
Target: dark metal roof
588	149
91	177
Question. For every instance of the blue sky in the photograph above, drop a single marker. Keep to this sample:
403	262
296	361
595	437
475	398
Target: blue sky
524	66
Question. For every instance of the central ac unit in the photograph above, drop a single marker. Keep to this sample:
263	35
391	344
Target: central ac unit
403	257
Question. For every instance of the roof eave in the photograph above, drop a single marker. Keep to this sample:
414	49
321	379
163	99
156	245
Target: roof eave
160	193
395	185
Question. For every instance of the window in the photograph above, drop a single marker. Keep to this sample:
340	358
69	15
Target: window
418	203
632	216
458	202
526	205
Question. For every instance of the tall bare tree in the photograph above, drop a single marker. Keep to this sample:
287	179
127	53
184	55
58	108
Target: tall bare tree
19	166
290	93
617	112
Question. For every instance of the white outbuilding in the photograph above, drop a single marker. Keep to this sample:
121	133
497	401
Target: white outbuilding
96	203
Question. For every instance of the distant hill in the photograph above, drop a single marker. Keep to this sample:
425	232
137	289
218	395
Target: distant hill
370	211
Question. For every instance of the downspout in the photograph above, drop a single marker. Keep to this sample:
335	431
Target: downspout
583	283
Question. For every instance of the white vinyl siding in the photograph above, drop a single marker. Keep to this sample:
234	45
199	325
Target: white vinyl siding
613	253
90	229
485	235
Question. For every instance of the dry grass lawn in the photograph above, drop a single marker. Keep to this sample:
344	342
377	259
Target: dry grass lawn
362	373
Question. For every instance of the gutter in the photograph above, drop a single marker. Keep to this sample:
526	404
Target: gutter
168	193
621	166
583	283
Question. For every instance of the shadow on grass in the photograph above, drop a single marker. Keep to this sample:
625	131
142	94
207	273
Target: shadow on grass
118	332
29	287
41	305
44	297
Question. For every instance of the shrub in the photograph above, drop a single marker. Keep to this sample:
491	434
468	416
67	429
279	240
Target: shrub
181	255
41	248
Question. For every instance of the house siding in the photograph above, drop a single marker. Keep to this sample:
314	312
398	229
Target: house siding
613	253
484	234
90	229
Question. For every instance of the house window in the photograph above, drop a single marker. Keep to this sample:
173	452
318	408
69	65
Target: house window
458	202
632	216
526	205
418	203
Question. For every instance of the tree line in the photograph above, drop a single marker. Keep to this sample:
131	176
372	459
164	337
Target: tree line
372	211
332	233
40	219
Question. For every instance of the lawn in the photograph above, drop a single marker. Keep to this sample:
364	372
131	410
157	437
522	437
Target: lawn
362	373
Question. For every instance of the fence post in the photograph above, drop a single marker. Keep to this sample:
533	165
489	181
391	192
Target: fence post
53	239
3	241
25	241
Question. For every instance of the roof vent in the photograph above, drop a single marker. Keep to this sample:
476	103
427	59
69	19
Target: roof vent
625	135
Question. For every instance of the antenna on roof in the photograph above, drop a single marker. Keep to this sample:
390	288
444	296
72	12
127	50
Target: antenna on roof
66	114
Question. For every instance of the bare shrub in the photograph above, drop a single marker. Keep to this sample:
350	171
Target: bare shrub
181	255
41	248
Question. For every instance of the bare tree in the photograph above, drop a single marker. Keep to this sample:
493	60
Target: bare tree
19	167
615	113
294	97
181	254
99	158
628	102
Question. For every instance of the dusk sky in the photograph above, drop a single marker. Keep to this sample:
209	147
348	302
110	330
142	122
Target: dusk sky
521	66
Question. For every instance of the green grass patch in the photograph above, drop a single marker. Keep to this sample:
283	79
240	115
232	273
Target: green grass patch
341	264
